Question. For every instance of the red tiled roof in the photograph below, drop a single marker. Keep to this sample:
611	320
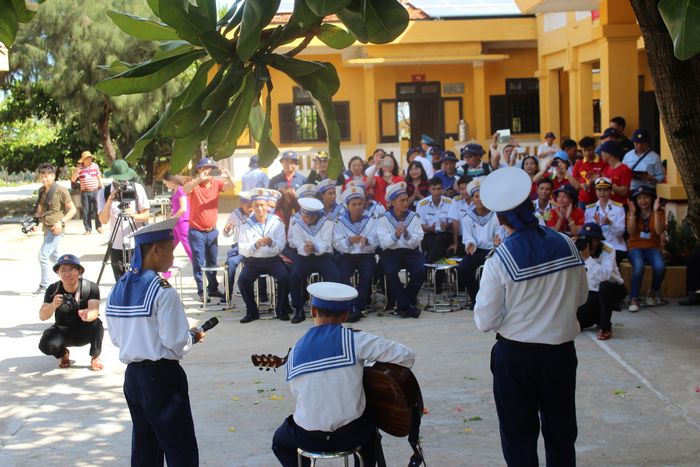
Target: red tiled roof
413	14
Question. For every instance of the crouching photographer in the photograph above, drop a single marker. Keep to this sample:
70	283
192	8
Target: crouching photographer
605	284
75	304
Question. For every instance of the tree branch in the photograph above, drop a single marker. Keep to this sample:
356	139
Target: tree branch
304	44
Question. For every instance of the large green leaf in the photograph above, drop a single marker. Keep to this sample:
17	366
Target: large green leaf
188	22
117	66
229	14
186	97
223	137
267	150
142	28
219	48
183	150
221	93
155	6
8	23
208	9
326	7
312	76
376	21
171	48
682	19
256	15
303	18
335	37
148	76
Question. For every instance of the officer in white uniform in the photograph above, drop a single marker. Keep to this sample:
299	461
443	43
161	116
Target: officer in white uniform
312	238
457	212
325	370
147	322
355	237
434	216
530	291
261	240
400	234
610	215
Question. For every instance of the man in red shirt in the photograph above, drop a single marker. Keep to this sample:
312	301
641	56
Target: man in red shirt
587	170
203	236
87	173
620	174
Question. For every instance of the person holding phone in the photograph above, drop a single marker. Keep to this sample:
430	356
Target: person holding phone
646	166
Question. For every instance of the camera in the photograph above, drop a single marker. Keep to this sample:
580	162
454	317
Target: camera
69	303
28	224
124	192
581	243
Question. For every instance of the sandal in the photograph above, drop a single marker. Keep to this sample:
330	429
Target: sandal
95	364
604	335
64	361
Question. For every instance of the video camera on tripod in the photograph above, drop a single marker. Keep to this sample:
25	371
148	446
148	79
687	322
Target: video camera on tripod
124	192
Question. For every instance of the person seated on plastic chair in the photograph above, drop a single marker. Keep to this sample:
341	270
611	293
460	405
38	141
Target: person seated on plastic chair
233	229
312	237
400	234
325	372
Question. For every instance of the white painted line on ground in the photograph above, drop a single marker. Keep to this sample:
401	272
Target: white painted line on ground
604	345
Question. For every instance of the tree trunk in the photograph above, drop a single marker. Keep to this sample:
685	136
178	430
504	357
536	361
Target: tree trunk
675	84
110	153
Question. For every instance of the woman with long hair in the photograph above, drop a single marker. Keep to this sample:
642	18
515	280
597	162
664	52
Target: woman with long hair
357	168
530	165
387	174
416	184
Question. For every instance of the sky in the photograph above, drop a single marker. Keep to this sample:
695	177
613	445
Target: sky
443	8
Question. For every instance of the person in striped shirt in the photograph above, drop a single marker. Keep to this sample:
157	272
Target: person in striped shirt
88	174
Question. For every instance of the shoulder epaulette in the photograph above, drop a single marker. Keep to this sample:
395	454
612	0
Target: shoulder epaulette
607	248
592	205
447	200
165	284
457	198
423	202
615	203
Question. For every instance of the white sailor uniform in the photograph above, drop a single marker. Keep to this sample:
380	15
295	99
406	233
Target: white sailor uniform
478	231
355	257
614	231
234	257
263	260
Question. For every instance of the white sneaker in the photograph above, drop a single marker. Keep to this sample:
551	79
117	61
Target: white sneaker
633	308
651	301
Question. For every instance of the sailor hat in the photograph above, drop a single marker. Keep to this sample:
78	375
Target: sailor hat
395	190
505	189
307	190
331	296
310	206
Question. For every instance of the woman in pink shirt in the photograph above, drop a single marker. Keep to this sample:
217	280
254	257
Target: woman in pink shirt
180	210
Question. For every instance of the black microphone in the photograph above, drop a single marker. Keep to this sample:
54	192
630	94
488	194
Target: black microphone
208	324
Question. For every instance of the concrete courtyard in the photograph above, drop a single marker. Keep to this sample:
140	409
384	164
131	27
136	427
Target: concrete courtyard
638	394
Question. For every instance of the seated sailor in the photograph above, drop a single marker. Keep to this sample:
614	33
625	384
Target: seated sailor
355	237
325	371
233	229
400	233
326	190
312	238
261	240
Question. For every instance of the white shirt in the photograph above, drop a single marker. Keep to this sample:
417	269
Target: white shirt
320	235
542	215
386	231
544	160
254	178
114	211
458	209
252	231
479	230
603	268
427	165
163	334
432	215
376	209
330	399
366	227
539	310
236	219
613	232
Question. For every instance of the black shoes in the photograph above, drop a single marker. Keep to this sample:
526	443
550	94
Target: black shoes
355	316
299	316
693	299
248	318
283	316
216	293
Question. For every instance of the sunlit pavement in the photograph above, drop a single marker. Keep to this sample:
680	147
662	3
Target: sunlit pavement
638	394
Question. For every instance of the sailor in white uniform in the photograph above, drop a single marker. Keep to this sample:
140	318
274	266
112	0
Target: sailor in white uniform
312	238
479	230
327	193
307	190
400	234
610	215
261	240
233	229
457	212
325	371
530	291
147	322
355	237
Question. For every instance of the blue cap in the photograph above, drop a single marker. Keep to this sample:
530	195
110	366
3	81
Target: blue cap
448	156
472	149
593	230
643	190
68	259
291	155
569	190
412	150
613	148
307	190
206	162
610	132
425	139
561	155
640	136
253	162
395	190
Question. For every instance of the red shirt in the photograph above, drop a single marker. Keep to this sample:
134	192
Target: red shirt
558	183
587	172
577	215
620	176
88	177
380	187
204	203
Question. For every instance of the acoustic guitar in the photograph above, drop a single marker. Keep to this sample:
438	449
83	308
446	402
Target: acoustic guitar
394	399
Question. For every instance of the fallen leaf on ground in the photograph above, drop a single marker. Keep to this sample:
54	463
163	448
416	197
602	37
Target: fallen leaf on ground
620	392
475	419
257	381
459	409
467	430
232	429
235	398
697	389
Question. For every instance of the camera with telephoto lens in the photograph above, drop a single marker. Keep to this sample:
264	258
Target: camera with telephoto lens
124	192
28	224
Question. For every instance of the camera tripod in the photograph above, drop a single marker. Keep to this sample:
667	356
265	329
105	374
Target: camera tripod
122	218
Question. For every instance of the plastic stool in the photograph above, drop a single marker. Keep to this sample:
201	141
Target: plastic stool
214	269
271	291
345	455
451	284
176	275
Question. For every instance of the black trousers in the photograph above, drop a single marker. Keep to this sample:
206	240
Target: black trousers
360	432
303	267
414	263
467	271
364	264
56	338
434	245
88	201
159	402
533	383
692	272
252	268
599	306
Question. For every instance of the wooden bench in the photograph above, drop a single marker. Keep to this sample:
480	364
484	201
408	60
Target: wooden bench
673	284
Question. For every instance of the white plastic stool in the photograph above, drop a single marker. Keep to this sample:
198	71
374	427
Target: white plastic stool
451	277
314	456
214	269
176	275
271	291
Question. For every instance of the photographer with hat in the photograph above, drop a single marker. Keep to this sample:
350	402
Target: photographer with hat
90	179
74	302
122	196
320	172
605	285
289	177
255	177
530	290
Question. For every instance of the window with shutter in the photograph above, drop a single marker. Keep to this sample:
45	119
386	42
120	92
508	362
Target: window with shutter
302	123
